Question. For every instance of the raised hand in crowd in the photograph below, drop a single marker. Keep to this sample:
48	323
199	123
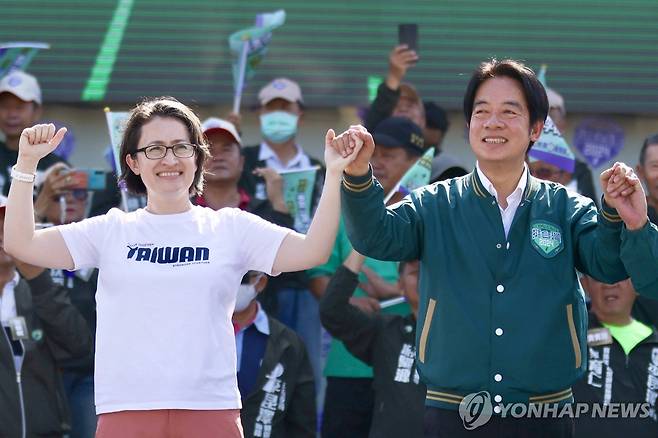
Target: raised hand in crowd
623	191
56	183
274	187
399	61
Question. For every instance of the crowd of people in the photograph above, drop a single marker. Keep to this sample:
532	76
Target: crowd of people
203	313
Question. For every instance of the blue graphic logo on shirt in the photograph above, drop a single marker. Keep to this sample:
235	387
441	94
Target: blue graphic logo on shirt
168	254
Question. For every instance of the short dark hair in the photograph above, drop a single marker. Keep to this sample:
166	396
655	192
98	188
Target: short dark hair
533	90
649	141
436	117
147	110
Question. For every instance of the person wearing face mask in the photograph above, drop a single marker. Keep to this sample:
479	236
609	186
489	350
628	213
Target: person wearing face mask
281	113
275	377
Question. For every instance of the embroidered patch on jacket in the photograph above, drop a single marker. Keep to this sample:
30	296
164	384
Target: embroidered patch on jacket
546	238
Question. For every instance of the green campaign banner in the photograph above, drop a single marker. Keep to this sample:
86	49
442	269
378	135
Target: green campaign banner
297	193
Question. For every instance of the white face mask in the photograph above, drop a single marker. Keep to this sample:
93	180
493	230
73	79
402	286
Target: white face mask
246	293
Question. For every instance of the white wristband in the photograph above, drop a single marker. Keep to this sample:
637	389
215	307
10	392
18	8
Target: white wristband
23	177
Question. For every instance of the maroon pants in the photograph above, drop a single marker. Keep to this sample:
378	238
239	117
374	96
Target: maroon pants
170	423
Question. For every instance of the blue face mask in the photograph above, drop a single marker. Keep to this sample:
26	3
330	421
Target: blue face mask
278	126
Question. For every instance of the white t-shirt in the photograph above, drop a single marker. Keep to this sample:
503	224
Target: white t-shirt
166	291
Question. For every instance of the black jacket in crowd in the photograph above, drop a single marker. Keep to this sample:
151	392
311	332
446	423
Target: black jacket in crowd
81	288
387	344
613	377
282	403
382	107
56	332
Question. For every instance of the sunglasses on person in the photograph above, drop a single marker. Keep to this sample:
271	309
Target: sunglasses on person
158	151
77	194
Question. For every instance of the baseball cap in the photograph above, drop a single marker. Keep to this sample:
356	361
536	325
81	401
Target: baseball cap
399	132
22	85
280	88
555	100
215	123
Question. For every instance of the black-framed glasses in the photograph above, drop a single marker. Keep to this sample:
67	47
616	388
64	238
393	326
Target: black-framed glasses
158	151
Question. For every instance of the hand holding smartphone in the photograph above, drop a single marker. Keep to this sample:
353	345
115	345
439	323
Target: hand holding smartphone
87	179
408	35
403	56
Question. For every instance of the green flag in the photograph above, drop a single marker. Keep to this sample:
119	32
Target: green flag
249	46
17	56
297	193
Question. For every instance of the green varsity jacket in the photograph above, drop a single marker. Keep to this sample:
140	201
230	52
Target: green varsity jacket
499	314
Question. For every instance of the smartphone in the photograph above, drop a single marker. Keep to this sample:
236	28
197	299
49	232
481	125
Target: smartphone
96	179
408	34
88	179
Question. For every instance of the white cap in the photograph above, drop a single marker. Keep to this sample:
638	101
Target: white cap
280	88
22	85
213	123
555	100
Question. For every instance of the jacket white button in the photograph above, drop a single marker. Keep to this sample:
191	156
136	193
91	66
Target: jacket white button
498	398
500	288
497	409
499	332
498	245
498	377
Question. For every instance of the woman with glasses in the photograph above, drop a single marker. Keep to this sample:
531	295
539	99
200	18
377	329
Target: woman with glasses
168	273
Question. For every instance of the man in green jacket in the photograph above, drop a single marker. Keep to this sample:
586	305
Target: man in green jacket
502	317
